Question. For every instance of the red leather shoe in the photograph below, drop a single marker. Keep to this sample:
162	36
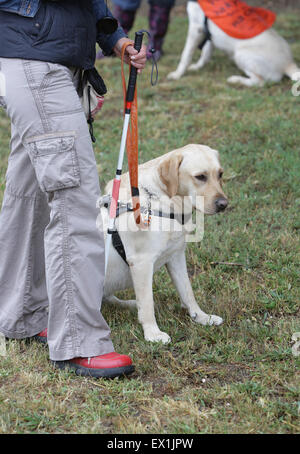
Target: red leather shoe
109	365
41	337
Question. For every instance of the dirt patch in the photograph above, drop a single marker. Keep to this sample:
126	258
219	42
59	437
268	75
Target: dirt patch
162	387
221	373
206	375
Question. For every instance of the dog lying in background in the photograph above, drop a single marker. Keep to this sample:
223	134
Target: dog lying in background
194	172
264	57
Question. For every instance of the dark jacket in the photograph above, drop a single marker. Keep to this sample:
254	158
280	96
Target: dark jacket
60	32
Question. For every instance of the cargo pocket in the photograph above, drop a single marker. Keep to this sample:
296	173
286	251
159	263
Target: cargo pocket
55	161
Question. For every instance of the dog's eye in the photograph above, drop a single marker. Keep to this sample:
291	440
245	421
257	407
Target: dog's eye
220	174
201	177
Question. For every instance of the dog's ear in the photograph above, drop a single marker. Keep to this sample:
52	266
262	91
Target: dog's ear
169	173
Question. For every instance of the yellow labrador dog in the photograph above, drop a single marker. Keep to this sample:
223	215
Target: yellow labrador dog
266	57
192	174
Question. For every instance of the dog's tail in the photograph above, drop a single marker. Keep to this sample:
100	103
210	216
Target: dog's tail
292	71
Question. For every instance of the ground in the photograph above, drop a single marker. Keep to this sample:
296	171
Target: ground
240	377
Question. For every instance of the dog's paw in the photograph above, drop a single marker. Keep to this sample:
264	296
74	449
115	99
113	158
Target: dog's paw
214	320
234	80
174	75
296	76
207	319
155	335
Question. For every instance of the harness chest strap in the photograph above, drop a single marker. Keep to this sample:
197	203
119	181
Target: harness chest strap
125	208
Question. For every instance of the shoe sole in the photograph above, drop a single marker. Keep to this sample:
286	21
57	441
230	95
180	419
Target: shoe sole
96	373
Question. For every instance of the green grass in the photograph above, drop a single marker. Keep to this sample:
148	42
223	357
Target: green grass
240	377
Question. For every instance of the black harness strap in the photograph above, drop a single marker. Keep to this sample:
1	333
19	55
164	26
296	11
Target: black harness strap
118	245
170	216
207	34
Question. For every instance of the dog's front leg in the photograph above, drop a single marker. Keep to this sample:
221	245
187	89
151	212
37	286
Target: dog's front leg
206	55
179	275
142	277
192	42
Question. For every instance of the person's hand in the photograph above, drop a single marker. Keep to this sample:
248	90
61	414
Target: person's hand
137	59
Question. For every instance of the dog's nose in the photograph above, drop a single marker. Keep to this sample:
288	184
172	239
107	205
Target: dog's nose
221	204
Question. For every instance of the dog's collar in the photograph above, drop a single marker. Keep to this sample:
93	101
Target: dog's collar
150	194
181	218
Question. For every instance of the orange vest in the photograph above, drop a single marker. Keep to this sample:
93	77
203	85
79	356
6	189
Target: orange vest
236	18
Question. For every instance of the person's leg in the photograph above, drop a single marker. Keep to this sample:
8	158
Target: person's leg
159	14
45	109
125	11
23	218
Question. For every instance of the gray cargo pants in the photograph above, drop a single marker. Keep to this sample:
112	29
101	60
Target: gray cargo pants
51	253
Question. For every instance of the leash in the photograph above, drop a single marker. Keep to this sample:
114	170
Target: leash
129	141
131	110
128	101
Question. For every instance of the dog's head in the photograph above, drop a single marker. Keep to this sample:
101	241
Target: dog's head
195	171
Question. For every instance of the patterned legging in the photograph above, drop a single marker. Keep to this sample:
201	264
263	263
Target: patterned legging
132	5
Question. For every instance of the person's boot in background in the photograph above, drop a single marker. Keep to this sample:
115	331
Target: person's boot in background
158	23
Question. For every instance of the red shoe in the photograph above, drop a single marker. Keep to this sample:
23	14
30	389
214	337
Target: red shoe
41	337
109	365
